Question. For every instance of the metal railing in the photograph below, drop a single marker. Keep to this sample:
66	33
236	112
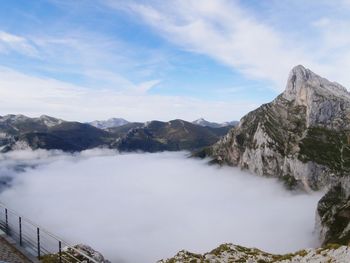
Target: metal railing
37	241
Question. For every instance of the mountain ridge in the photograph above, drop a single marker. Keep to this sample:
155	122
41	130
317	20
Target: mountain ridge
19	131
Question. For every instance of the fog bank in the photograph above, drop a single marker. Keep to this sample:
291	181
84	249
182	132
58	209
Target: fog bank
139	208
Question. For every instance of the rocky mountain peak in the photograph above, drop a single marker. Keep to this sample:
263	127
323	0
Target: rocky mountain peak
301	137
303	83
326	103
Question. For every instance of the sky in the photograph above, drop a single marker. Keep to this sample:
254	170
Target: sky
165	203
144	60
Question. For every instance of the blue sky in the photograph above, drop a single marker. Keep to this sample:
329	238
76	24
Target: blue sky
142	60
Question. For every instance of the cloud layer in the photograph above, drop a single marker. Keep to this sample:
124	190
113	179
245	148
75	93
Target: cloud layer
144	207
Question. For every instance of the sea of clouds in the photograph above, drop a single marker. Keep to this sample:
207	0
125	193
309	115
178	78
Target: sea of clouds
140	207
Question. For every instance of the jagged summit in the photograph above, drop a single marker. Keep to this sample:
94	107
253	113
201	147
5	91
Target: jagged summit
324	103
302	81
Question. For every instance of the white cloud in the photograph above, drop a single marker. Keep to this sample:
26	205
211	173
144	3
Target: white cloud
13	43
230	34
146	86
225	32
34	96
165	203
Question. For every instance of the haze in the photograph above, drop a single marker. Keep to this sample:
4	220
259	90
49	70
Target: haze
144	207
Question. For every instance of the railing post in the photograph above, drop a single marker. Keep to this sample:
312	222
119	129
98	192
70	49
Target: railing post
20	230
60	250
6	221
38	240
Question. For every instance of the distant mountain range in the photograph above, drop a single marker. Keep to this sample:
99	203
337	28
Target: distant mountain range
45	132
19	131
117	122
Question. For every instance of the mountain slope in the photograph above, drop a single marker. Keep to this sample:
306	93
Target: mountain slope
174	135
124	129
301	137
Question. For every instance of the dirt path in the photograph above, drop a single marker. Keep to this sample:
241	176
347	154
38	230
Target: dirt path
10	254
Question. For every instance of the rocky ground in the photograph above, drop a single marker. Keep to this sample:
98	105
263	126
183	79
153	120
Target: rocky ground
232	253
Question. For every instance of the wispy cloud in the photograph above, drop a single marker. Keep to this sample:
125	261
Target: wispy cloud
14	43
225	32
232	35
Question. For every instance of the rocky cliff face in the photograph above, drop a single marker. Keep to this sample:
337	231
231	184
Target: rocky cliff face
333	214
301	137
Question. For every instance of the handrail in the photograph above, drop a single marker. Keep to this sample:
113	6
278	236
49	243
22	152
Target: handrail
5	225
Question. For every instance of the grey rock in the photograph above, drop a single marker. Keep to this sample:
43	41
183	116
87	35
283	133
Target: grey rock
81	252
333	214
227	253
